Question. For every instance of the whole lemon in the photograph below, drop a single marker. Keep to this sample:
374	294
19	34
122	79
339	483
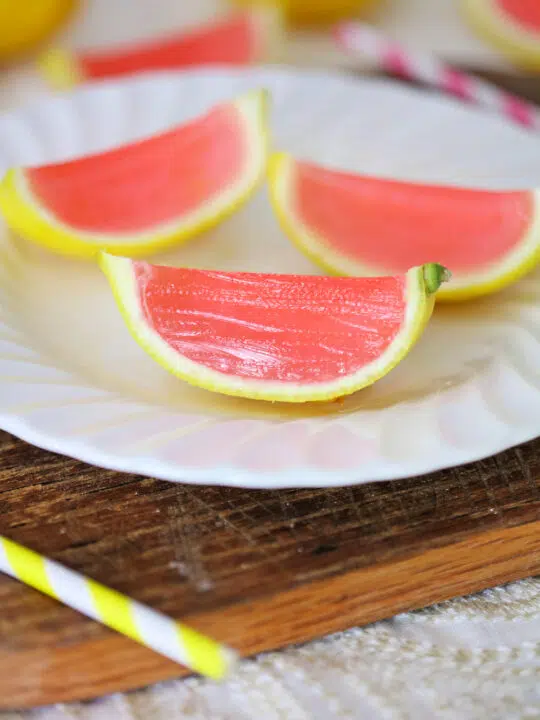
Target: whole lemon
26	23
317	12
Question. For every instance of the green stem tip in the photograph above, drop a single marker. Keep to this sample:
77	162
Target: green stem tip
434	276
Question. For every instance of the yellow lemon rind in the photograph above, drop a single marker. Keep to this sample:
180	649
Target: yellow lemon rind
26	217
60	69
419	307
519	45
524	258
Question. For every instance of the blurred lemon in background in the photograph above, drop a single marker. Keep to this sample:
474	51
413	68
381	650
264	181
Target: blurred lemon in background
26	23
317	12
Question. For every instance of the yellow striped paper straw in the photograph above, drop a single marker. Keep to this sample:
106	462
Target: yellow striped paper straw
109	607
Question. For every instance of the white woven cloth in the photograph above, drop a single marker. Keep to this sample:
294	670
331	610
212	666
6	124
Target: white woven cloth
476	658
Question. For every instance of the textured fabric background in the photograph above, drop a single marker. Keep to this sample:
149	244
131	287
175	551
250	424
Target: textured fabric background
476	658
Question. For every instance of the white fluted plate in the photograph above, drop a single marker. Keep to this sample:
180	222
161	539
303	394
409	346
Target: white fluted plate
72	380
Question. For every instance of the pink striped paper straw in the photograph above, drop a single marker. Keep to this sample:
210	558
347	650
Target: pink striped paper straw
366	42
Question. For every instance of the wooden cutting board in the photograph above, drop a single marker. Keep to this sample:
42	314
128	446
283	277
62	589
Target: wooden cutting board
259	570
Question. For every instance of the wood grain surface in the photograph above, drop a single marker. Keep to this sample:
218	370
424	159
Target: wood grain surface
257	569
